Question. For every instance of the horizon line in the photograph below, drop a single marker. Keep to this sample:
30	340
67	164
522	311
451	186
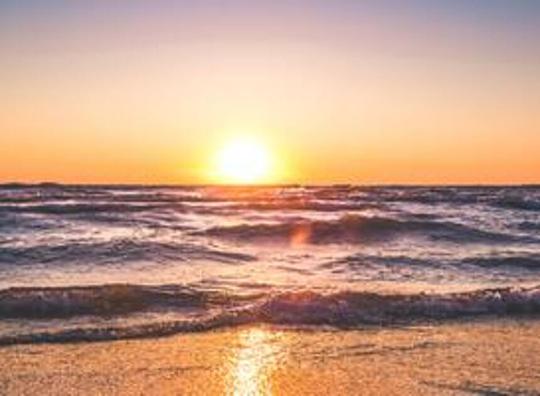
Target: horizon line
260	185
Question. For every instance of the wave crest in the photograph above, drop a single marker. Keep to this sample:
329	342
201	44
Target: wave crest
354	229
342	309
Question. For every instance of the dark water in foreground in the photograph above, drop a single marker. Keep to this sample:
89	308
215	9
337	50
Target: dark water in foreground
109	262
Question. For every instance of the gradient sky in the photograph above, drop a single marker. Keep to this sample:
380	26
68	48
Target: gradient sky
341	91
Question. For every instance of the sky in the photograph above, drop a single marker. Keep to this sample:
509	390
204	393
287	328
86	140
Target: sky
342	91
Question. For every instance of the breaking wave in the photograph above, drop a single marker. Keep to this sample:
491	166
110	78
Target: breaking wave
346	309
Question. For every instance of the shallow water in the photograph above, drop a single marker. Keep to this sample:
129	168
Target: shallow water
108	262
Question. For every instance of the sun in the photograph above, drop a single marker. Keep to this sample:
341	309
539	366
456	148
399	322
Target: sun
243	160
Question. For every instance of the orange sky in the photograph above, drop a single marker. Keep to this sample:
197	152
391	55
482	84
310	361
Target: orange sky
377	92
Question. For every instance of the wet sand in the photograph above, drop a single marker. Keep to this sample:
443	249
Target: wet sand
488	357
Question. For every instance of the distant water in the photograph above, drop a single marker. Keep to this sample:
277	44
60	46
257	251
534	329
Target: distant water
82	263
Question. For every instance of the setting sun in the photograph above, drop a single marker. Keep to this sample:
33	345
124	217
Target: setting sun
269	197
244	161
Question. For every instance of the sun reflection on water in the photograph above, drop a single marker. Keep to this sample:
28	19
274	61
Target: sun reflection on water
254	361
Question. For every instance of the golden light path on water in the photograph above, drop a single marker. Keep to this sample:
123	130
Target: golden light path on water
253	362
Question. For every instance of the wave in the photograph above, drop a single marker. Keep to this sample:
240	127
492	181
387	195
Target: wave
119	250
89	197
352	308
299	205
58	199
519	203
81	208
529	261
11	223
529	226
114	299
429	195
345	309
360	261
146	204
356	229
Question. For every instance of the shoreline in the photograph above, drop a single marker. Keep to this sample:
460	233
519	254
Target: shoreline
449	358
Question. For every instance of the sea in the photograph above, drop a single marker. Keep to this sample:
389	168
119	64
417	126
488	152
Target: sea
107	262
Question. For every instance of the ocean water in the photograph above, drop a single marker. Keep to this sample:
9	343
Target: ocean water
84	263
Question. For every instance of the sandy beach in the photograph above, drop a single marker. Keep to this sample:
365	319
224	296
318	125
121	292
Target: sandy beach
488	358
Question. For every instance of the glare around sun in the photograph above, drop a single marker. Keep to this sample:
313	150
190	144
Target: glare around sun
243	161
